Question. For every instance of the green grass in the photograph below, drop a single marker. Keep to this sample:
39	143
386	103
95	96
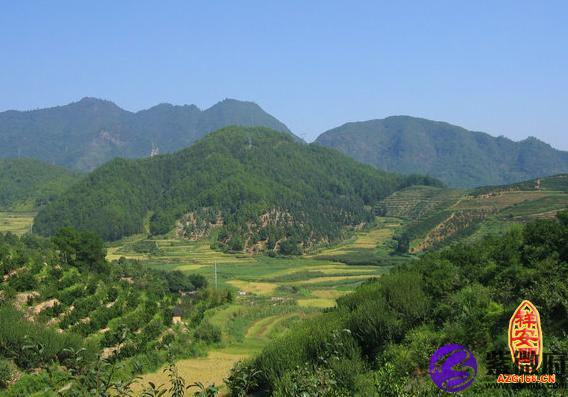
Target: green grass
368	247
531	208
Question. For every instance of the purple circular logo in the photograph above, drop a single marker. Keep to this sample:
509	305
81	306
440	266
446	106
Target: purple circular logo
453	368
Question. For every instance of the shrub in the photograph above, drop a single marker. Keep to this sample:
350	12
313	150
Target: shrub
32	345
23	281
290	247
208	332
309	382
242	379
6	373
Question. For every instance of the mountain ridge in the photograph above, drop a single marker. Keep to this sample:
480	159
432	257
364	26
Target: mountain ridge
453	154
87	133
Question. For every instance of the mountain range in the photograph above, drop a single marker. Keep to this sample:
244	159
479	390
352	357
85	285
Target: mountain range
85	134
456	156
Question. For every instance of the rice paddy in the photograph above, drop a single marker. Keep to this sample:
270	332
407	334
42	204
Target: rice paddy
16	222
252	287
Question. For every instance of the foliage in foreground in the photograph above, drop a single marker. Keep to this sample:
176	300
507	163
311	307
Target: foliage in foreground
60	296
378	340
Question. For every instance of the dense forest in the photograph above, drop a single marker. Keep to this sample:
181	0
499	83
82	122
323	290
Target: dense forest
67	314
378	340
456	156
249	187
27	184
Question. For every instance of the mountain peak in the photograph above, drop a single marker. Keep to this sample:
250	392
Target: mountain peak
95	104
89	100
231	102
534	141
170	107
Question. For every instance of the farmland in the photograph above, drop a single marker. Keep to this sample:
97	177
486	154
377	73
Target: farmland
436	216
271	294
16	222
274	293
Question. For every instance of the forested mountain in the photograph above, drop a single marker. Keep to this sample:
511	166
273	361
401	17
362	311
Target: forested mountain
456	156
253	187
85	134
26	184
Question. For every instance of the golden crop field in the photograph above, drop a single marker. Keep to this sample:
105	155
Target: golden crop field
16	222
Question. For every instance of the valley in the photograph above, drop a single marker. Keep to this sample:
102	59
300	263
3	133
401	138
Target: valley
283	199
202	263
271	295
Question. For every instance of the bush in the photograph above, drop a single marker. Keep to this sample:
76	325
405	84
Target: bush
309	382
6	373
242	379
208	332
290	247
23	281
236	244
32	345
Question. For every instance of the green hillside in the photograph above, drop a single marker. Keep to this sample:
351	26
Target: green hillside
249	187
435	216
85	134
63	306
456	156
26	184
378	341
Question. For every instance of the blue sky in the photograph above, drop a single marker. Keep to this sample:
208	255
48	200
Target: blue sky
495	66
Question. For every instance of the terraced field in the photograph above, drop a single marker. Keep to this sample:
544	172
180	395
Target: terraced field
436	216
16	222
271	294
372	246
418	202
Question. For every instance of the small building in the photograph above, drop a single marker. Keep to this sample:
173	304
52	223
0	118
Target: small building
177	315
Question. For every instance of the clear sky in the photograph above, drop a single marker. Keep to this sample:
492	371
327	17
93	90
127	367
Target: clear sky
495	66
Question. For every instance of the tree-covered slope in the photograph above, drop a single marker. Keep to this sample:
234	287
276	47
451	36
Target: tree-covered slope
253	187
26	184
88	133
63	307
456	156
